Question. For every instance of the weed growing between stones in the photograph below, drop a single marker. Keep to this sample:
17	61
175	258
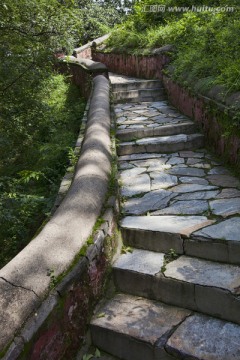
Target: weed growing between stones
170	256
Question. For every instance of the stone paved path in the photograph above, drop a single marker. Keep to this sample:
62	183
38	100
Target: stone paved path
179	279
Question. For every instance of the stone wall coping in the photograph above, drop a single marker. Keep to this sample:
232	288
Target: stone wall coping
26	280
87	64
97	41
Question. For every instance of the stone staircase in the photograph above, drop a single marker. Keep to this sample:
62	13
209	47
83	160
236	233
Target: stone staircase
178	280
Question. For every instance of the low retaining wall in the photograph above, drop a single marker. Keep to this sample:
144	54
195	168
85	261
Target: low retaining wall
145	67
215	119
48	290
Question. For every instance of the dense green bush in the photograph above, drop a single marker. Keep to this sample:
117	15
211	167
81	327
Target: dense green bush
207	43
32	165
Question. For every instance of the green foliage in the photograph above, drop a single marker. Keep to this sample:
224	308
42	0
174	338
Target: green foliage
206	43
31	169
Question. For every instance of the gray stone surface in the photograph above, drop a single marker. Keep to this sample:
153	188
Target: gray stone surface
153	200
198	195
228	193
206	273
188	188
186	171
218	170
131	173
203	337
163	140
225	207
175	161
193	180
224	180
145	262
136	185
226	230
16	304
183	225
191	154
162	180
193	207
139	319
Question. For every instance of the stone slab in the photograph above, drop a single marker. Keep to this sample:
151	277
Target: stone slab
188	188
193	180
225	207
145	262
224	180
136	185
228	193
225	230
203	337
131	173
162	180
193	207
163	140
184	225
186	171
198	195
206	273
132	326
153	200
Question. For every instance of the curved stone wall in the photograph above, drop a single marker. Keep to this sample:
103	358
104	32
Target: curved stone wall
48	289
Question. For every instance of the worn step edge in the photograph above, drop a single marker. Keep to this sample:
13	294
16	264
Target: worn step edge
136	329
175	129
204	296
196	337
192	142
226	251
151	84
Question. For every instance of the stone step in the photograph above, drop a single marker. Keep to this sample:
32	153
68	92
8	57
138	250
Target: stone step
142	95
137	85
204	286
165	144
134	328
191	235
187	127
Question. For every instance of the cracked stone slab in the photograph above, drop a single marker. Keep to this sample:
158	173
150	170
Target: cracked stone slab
219	170
198	195
206	273
16	303
162	181
136	185
226	230
193	180
199	337
153	200
188	188
224	180
191	154
175	161
133	328
225	207
192	207
228	193
132	173
145	262
183	225
186	171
